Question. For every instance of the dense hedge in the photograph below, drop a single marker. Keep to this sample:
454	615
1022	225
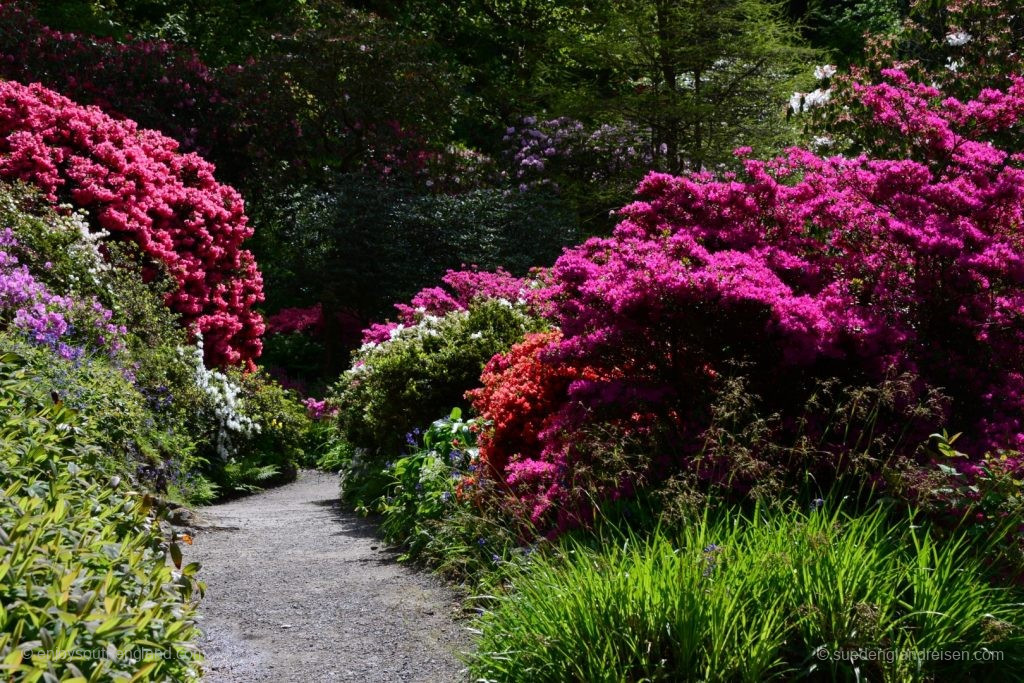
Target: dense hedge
357	245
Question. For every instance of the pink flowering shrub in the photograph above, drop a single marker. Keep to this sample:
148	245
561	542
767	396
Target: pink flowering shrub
319	409
283	106
798	270
137	186
152	82
968	49
289	320
462	287
532	446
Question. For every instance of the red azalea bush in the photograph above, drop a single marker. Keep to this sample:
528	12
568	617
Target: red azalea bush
797	271
136	185
532	445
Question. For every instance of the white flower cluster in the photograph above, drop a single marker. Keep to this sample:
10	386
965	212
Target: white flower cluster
86	247
820	142
824	71
958	38
426	326
804	101
801	102
224	400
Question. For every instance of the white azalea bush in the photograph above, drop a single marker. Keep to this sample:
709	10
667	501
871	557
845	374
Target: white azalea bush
223	401
259	431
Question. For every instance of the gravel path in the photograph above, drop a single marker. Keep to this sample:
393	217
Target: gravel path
298	590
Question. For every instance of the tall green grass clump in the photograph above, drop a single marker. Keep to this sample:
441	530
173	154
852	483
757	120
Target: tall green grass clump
86	591
774	595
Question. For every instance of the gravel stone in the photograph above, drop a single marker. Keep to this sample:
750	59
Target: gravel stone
296	592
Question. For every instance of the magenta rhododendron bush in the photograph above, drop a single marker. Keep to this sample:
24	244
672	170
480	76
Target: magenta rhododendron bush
797	270
136	185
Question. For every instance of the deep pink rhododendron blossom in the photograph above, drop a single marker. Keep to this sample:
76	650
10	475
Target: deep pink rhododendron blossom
319	409
802	268
136	185
289	320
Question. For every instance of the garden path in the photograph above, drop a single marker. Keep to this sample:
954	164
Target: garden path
298	590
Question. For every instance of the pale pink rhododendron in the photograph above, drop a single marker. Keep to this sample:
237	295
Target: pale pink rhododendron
136	185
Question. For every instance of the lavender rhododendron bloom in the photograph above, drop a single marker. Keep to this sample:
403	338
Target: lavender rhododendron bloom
49	319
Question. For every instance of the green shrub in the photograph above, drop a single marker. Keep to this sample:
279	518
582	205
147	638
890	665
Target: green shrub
781	595
398	386
85	588
118	417
362	245
336	456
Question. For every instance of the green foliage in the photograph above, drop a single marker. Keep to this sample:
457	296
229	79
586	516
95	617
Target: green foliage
85	588
704	76
361	246
982	499
111	409
421	485
841	27
781	595
334	454
268	456
300	353
509	54
396	386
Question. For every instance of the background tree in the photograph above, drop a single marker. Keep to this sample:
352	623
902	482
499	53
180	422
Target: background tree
841	27
704	76
222	32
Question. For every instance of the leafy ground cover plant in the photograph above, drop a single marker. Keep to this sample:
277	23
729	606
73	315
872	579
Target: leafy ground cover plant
778	595
421	486
85	586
